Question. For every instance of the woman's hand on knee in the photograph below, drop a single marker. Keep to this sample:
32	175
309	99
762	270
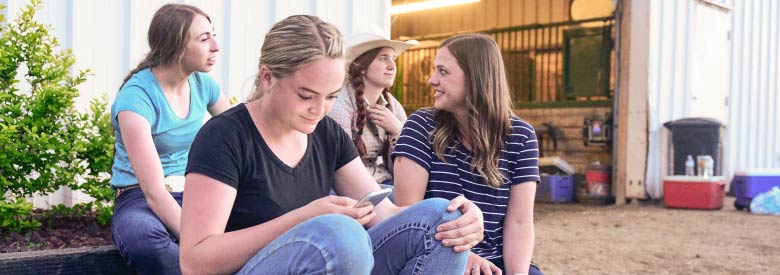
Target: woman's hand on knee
479	265
464	232
340	205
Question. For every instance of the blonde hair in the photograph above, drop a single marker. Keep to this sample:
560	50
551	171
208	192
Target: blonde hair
488	105
293	43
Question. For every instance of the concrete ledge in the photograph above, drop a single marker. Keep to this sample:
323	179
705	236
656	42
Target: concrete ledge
82	260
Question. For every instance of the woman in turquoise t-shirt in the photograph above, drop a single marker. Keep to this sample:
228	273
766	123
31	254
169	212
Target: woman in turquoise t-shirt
156	115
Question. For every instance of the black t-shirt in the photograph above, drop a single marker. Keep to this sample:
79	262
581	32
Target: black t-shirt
230	149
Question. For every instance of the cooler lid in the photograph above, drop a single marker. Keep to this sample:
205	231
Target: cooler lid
557	162
758	172
695	179
693	122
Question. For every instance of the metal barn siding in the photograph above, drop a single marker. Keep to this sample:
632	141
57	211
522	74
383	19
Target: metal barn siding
751	118
109	38
753	134
668	44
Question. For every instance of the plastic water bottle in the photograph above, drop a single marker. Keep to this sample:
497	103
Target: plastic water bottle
689	166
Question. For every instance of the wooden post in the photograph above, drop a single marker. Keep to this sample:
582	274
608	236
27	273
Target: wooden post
631	100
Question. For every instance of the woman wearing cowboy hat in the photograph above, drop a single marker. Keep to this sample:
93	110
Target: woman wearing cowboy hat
365	109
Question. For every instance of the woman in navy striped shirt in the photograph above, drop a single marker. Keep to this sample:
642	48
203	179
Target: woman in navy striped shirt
471	143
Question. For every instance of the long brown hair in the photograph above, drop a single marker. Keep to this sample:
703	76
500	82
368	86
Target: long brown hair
356	72
294	42
488	105
168	35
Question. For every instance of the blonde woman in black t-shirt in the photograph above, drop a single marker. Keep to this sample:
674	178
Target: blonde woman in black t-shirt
258	178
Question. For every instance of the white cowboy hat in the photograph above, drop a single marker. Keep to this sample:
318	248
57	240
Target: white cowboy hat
361	42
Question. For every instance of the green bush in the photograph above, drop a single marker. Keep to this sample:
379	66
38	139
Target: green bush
97	156
44	142
16	216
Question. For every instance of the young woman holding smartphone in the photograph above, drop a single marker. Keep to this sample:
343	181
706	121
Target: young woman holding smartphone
259	176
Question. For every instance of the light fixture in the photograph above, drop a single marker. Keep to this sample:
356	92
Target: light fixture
426	5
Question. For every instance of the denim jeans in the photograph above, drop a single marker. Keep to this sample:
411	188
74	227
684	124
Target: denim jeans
141	238
337	244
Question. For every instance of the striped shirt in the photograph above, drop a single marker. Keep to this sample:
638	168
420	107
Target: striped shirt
519	162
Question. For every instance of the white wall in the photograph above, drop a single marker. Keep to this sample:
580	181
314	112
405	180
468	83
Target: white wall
109	37
678	77
755	133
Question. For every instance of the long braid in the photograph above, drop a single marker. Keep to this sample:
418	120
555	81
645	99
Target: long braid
356	72
356	81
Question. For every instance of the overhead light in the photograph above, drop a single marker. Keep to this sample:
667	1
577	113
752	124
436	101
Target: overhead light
426	5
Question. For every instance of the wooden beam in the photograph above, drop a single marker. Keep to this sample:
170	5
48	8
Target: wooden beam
631	97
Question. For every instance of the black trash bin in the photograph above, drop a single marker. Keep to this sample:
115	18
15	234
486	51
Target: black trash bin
694	137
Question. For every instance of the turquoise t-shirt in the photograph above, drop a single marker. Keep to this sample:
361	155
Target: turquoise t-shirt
172	135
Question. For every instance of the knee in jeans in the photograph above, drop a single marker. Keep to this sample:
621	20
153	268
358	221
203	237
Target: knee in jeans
348	237
438	207
342	229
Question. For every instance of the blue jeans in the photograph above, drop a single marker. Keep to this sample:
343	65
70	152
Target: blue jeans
141	238
337	244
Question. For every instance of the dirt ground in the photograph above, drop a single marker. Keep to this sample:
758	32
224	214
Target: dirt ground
650	239
57	232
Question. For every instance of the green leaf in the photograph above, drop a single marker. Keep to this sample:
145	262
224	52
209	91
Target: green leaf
40	127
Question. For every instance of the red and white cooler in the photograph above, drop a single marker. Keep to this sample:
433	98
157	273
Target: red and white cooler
694	192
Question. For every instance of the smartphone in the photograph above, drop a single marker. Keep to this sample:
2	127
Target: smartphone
374	197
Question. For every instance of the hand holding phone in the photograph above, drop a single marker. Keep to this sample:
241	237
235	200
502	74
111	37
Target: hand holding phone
373	197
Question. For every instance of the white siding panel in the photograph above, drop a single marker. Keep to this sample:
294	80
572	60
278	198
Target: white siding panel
668	86
752	134
335	11
362	11
241	45
109	38
754	121
105	55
